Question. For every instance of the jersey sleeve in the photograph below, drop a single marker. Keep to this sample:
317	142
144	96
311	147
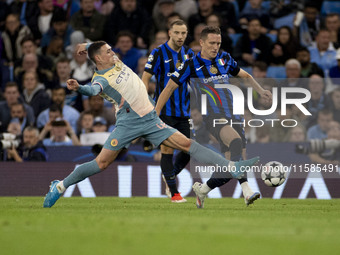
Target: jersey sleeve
234	68
153	62
191	53
97	86
182	74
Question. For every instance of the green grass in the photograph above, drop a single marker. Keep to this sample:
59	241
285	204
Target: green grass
156	226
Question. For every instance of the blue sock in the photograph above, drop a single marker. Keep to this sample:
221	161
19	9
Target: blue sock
207	156
81	172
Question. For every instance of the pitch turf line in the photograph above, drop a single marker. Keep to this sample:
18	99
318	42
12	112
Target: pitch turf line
156	226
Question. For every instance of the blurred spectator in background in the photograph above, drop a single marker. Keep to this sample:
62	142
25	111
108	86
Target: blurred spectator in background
319	131
259	70
105	7
186	8
334	72
281	8
99	124
332	24
215	20
12	96
160	38
60	129
253	46
30	64
124	47
76	38
63	73
69	113
82	68
319	100
96	106
329	156
34	93
205	8
55	49
335	96
59	27
126	16
262	134
285	47
171	18
255	10
141	65
54	113
14	127
324	53
161	12
86	123
293	73
309	27
307	68
18	112
31	148
12	37
29	47
227	12
40	21
296	134
89	20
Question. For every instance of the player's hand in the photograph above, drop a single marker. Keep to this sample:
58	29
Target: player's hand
267	96
72	84
81	49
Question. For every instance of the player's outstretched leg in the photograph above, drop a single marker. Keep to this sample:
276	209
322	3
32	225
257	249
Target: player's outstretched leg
80	173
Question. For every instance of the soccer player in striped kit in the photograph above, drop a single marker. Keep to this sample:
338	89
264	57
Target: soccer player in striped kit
162	62
207	68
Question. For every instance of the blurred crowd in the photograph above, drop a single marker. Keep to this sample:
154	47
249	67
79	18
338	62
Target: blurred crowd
282	43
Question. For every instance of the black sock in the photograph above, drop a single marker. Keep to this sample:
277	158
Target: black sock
169	172
235	149
182	159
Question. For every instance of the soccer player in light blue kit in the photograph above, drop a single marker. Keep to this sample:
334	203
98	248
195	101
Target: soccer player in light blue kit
136	117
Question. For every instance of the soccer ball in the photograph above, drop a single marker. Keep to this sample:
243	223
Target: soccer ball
273	174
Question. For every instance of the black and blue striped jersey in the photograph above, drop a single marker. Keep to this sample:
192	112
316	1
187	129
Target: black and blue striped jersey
203	74
163	62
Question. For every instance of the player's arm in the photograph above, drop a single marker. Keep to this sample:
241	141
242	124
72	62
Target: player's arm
86	90
165	95
146	79
250	82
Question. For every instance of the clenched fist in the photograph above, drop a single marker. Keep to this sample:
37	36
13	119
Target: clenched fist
72	84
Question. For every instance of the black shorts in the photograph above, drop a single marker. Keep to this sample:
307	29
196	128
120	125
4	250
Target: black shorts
180	123
215	131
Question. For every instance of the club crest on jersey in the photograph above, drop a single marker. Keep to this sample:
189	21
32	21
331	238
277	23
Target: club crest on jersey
114	142
150	58
221	62
178	64
213	70
180	67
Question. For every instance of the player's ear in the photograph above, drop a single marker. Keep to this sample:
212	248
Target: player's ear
201	42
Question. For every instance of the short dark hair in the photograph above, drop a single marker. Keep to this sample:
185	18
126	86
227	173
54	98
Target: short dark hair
125	33
261	65
210	30
325	111
18	103
56	108
94	49
177	22
27	38
62	60
12	84
302	48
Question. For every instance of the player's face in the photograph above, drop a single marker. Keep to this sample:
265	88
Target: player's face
107	56
211	45
178	34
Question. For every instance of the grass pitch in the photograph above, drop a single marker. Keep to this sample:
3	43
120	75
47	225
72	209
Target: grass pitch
156	226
